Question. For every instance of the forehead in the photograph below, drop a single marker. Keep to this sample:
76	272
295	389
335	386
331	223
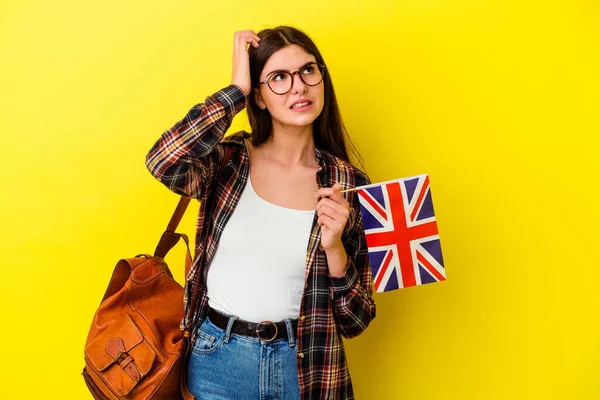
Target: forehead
289	58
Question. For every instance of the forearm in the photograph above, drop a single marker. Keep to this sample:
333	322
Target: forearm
352	285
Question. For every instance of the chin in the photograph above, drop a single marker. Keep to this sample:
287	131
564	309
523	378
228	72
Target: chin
300	120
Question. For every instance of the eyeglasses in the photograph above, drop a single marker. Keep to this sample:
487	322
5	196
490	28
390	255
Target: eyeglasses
280	82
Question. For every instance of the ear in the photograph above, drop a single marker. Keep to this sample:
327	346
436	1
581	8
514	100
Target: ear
258	99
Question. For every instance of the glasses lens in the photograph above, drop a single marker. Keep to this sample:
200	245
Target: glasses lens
311	75
281	82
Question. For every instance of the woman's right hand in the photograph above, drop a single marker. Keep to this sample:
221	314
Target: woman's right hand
241	61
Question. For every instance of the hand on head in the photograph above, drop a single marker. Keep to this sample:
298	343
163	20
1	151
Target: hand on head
241	61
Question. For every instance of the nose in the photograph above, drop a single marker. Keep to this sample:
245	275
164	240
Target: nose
298	85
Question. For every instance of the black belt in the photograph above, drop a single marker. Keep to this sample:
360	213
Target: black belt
265	330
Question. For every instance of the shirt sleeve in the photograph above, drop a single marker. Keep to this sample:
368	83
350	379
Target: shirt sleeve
352	294
186	157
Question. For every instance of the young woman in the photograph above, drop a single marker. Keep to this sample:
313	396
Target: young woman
281	269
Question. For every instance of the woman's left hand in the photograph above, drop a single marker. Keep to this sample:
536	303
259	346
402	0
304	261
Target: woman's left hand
333	211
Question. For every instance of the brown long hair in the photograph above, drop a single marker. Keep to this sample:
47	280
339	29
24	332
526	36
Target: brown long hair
329	131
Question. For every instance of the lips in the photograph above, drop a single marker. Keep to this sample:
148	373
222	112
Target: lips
300	104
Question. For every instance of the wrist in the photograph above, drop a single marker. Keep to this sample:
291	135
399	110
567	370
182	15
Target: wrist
335	250
242	87
337	261
336	247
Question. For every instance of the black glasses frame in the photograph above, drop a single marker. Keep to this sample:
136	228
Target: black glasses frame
321	68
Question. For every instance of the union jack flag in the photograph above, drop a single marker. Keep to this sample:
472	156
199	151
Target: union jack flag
402	234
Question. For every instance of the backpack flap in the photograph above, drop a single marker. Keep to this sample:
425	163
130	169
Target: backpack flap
120	356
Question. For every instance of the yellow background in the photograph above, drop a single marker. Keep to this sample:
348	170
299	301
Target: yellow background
496	100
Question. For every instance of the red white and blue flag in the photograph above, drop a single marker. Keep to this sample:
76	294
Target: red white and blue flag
402	234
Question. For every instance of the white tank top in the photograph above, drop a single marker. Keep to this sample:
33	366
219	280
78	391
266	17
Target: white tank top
257	272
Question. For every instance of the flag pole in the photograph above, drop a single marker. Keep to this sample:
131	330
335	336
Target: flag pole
379	183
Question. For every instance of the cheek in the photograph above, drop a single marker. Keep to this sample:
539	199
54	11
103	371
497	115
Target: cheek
274	102
321	93
321	98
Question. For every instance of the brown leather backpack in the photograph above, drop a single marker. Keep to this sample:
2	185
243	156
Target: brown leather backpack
135	348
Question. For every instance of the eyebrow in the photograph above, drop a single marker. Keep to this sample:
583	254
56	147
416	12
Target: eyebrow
285	70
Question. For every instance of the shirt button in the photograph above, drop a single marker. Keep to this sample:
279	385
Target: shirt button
301	355
302	318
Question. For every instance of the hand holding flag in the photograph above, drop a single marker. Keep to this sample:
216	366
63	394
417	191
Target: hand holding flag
333	211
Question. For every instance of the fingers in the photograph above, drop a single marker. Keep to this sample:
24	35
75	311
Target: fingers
243	38
334	194
328	222
247	35
333	209
336	226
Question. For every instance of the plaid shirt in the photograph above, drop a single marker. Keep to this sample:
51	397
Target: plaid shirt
194	159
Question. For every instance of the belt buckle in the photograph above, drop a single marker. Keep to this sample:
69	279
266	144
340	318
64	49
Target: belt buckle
266	322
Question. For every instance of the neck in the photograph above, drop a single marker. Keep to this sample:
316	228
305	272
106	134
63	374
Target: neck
291	145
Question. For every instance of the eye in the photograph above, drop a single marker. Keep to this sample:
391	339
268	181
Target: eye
308	70
278	77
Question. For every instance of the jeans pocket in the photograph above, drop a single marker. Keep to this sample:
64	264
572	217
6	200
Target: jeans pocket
209	338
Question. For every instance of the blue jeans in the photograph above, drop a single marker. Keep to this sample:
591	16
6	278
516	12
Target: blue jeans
228	366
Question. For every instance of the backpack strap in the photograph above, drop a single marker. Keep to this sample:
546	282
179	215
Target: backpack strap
170	238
